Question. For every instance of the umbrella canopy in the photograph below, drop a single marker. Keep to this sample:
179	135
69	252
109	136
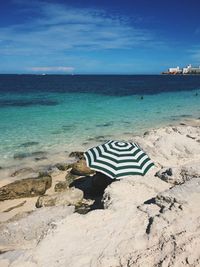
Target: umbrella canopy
118	159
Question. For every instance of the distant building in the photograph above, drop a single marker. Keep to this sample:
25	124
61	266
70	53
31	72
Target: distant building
191	70
176	70
187	70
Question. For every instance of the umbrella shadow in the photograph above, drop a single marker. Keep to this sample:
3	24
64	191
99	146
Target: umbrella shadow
93	188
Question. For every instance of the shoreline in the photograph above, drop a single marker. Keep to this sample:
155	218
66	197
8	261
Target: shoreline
40	160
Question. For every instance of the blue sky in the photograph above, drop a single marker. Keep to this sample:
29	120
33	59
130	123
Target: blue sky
88	36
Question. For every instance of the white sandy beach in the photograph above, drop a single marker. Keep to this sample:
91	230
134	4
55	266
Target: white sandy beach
146	221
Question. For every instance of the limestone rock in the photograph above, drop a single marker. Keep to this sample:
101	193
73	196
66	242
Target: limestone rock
49	170
168	175
61	186
27	230
178	175
63	166
28	187
71	196
179	194
146	221
190	172
70	178
77	155
81	168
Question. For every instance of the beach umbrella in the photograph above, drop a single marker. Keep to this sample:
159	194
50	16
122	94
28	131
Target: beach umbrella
118	159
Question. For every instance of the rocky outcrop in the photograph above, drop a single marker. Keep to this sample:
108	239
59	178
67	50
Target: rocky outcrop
81	168
63	166
173	231
49	170
71	196
147	221
28	187
61	186
29	229
179	195
179	175
77	155
70	178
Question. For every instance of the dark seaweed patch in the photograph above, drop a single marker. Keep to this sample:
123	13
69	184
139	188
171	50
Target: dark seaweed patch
100	138
181	116
40	158
56	132
23	155
28	144
67	127
27	103
126	122
106	124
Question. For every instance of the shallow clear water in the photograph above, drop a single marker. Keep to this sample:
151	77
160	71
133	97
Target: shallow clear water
55	121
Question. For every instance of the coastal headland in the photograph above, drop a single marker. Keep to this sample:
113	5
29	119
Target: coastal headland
67	216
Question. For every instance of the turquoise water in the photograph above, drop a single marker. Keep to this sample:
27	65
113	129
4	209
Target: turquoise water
69	121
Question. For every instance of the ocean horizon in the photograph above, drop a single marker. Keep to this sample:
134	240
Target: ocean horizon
48	116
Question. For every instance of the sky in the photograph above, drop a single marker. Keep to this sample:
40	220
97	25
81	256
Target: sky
98	36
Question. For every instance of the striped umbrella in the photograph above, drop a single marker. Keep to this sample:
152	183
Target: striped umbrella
118	159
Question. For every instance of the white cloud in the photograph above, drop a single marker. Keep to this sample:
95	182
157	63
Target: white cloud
60	29
52	69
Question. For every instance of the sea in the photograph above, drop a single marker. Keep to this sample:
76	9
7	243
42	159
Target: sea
45	117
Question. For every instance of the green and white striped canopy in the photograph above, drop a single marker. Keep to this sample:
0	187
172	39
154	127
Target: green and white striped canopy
118	159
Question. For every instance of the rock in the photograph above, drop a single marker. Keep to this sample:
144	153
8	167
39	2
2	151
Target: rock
177	175
30	228
49	170
70	178
1	168
164	173
189	136
61	186
81	168
77	155
15	207
169	176
63	166
71	196
188	173
179	195
146	133
29	187
22	172
82	209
